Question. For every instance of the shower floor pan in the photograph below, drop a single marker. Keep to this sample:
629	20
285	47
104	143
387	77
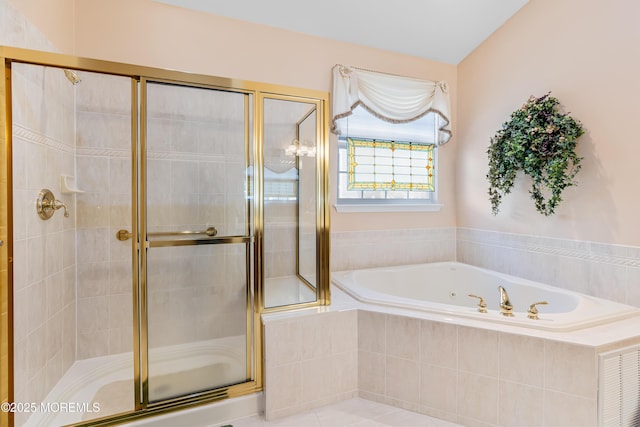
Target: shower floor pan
104	385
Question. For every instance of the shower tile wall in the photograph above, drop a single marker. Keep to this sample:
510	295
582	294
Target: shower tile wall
103	148
44	251
281	216
196	179
43	347
280	239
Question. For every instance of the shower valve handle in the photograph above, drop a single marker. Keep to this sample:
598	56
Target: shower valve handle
57	204
47	204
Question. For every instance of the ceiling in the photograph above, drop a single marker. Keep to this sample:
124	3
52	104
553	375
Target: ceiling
441	30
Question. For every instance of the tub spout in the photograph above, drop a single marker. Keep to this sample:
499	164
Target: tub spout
506	309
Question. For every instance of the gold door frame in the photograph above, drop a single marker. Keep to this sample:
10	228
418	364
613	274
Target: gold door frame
255	301
323	295
298	274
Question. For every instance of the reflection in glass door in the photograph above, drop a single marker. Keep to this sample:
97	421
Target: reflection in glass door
291	135
196	226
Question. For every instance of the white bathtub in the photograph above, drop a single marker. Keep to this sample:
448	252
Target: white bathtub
444	288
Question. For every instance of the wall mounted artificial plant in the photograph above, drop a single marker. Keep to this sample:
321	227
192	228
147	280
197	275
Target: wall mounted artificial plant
540	141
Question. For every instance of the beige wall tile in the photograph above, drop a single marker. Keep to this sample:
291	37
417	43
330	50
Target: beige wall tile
120	310
478	397
371	331
402	380
283	387
520	405
318	379
403	337
92	343
316	333
561	410
371	372
93	313
344	367
570	369
282	342
522	359
439	344
344	327
439	388
478	351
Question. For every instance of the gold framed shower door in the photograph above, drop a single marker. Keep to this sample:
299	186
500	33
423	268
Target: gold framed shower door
253	239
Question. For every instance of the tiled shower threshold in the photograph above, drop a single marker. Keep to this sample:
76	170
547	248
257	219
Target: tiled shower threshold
356	412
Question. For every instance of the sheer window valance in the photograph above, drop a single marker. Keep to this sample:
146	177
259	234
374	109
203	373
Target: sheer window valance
391	98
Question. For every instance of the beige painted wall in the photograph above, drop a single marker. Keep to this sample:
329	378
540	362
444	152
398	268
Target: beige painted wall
54	18
580	51
585	53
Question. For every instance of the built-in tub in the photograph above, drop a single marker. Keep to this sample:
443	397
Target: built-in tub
444	288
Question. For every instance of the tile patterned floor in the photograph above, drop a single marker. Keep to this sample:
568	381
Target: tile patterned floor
351	413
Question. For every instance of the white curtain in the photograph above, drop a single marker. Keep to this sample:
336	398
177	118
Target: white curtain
394	99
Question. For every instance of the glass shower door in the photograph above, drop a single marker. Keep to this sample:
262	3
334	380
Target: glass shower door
195	222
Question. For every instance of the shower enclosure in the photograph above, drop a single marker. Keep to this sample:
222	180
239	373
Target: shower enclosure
151	217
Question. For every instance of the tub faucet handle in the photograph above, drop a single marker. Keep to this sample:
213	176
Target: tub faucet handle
482	305
533	310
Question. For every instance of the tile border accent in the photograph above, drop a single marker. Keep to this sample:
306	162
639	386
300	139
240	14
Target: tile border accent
36	137
622	255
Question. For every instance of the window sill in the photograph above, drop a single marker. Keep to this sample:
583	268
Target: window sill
373	207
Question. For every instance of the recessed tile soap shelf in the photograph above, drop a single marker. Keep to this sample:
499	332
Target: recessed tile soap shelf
67	185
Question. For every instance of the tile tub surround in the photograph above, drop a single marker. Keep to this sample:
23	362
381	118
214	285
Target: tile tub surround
602	270
354	250
425	363
465	374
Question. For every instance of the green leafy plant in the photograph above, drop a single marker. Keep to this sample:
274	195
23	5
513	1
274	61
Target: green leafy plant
540	141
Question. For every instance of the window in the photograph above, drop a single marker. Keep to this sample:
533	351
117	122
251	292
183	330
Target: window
389	132
385	173
280	186
389	165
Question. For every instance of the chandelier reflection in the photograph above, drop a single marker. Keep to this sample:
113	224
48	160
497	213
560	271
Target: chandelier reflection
299	149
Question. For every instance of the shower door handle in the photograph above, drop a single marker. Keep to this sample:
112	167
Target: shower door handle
123	235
